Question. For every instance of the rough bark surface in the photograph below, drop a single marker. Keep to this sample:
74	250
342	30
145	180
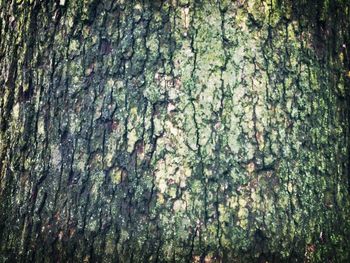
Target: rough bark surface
174	131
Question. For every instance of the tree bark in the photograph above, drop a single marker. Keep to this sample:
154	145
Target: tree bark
174	131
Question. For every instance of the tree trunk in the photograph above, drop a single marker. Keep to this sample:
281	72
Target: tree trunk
174	131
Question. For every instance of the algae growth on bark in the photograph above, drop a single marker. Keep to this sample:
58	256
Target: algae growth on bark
174	131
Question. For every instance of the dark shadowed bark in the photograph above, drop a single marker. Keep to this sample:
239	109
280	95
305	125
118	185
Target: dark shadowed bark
174	131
